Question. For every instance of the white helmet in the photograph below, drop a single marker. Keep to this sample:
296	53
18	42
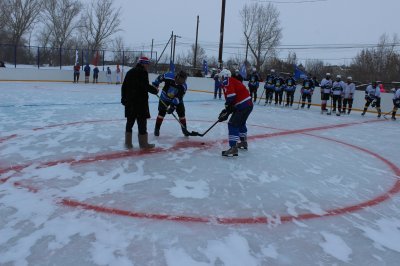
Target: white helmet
338	76
349	78
272	70
328	74
225	73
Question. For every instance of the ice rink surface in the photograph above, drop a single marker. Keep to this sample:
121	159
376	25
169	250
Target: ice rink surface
311	190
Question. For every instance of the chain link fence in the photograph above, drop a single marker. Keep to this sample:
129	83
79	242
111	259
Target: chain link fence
49	57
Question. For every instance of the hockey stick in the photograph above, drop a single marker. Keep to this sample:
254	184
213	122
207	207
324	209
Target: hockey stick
202	134
185	131
384	116
298	105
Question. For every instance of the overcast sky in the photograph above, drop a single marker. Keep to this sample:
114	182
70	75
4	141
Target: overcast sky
318	22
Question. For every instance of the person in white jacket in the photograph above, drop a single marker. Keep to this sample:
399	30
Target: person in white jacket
373	98
396	103
326	86
337	90
348	95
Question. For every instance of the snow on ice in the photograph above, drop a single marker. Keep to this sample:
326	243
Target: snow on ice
311	190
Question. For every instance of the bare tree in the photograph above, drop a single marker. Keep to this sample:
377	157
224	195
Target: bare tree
187	60
315	67
60	20
380	63
261	27
22	15
101	21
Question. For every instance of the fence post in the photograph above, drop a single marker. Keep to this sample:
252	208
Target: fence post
38	57
103	59
60	57
15	56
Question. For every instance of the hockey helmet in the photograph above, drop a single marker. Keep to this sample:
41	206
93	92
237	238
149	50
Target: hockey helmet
181	77
338	76
328	74
225	73
349	78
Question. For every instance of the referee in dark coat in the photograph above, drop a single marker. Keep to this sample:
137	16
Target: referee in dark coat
135	98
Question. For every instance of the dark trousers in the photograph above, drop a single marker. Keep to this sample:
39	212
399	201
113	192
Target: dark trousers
76	76
305	97
253	93
289	98
349	102
268	95
337	100
217	90
278	97
141	122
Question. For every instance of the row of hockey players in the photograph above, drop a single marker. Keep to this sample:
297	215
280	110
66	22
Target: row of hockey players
340	93
281	90
134	97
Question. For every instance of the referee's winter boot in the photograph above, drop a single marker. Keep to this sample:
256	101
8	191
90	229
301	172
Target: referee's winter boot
143	142
128	140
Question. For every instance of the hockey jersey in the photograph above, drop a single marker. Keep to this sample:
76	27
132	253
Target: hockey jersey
373	92
236	94
349	90
338	87
326	85
171	92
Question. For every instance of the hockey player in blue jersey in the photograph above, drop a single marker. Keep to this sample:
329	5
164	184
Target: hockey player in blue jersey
279	88
171	98
254	83
290	90
306	92
269	87
217	86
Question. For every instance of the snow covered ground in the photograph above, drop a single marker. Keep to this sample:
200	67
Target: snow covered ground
311	190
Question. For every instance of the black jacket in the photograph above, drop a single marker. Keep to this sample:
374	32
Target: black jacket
134	92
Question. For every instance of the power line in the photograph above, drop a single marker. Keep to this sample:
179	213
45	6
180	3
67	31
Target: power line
292	2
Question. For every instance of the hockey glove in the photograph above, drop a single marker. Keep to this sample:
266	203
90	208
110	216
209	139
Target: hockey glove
229	108
397	103
170	109
373	104
223	115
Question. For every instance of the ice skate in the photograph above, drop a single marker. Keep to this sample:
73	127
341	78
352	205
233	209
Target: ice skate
232	151
242	145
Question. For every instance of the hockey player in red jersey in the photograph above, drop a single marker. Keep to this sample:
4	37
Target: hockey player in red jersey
238	103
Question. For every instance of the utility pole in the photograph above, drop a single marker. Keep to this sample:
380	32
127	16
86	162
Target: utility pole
151	53
172	46
195	46
173	57
221	35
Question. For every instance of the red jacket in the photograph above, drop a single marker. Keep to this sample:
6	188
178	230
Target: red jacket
236	94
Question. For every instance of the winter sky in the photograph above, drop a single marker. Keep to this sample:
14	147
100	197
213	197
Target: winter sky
308	22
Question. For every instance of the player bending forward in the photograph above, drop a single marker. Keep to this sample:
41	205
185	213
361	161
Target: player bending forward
238	103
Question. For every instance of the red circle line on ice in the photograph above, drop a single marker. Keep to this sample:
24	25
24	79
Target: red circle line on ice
219	220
